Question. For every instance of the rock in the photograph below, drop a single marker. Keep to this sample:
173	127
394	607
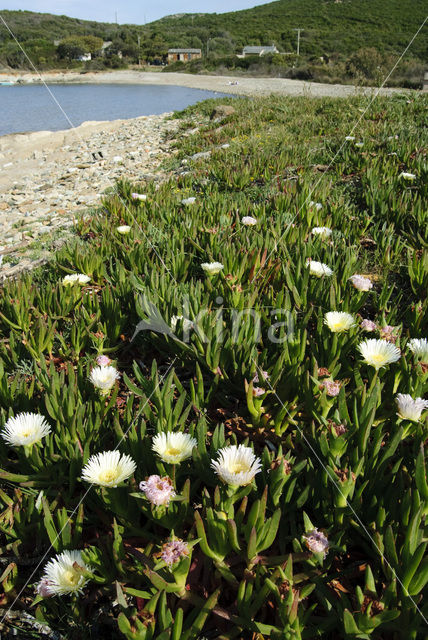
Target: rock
222	111
200	155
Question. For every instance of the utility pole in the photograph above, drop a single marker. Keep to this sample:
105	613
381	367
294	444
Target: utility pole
298	39
139	57
116	16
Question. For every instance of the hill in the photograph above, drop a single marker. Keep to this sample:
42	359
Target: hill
331	27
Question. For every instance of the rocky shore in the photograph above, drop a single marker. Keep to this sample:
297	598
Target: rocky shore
48	179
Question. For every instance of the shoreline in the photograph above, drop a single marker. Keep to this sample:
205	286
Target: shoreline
245	86
49	179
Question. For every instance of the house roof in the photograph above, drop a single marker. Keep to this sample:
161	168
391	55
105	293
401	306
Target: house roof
184	51
257	50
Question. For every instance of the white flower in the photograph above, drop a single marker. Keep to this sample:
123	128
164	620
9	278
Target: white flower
104	378
25	429
322	232
379	353
318	269
75	278
138	196
359	144
236	466
211	268
123	229
338	321
409	408
188	201
108	469
419	348
249	221
317	205
350	138
187	324
361	282
173	447
63	574
316	541
407	176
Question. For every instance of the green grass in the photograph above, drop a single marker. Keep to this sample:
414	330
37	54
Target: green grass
251	574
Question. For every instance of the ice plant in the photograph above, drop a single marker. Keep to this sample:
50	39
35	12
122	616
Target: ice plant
63	575
379	353
157	490
349	138
103	361
173	447
322	232
173	551
249	221
103	378
187	324
138	196
338	321
123	229
75	278
236	465
25	429
318	269
316	541
419	348
211	268
317	205
409	408
361	282
188	201
407	176
108	469
368	325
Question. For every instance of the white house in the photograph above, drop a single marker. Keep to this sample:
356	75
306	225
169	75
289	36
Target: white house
259	51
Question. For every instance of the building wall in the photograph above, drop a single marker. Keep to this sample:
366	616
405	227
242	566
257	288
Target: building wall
183	57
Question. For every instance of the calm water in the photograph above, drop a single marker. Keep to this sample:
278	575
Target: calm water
32	108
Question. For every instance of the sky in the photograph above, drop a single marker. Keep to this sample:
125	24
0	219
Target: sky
128	11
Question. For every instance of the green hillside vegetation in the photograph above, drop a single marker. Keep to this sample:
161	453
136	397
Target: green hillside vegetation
333	31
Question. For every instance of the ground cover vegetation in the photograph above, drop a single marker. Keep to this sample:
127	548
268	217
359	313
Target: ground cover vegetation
212	402
342	41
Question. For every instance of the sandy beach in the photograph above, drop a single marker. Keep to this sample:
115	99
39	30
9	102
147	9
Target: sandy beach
236	85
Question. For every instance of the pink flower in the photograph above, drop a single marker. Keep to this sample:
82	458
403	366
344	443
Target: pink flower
103	361
43	588
263	374
340	429
388	333
332	387
158	490
173	550
258	391
368	325
316	541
